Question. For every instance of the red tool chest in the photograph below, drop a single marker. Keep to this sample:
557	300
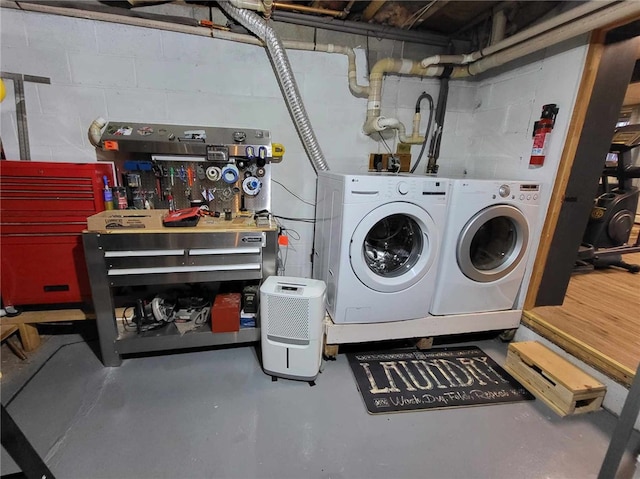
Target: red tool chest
43	209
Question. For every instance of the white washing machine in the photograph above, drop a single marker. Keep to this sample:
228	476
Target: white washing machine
490	227
377	242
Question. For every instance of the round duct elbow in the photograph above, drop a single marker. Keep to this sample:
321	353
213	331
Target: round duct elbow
95	130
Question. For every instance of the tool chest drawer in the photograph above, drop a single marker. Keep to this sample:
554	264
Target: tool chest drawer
43	210
154	258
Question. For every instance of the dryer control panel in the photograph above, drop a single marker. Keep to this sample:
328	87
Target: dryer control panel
529	193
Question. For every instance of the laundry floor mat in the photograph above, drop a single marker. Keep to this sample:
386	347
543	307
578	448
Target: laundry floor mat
409	380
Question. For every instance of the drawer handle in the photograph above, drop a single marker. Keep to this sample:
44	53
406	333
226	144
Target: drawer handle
151	252
185	269
207	251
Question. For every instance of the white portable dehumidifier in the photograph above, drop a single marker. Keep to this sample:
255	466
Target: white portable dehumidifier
291	315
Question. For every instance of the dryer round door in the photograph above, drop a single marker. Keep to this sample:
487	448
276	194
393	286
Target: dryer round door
393	247
492	243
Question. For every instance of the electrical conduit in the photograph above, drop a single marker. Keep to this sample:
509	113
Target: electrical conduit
259	27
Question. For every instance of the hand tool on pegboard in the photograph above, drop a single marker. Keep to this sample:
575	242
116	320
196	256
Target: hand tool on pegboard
157	171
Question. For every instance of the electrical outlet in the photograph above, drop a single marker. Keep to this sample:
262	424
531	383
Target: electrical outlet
383	159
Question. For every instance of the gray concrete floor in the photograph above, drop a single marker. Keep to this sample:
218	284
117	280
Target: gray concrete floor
215	414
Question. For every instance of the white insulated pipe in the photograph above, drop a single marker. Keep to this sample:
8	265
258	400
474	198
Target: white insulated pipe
538	37
95	130
558	20
374	122
354	87
614	13
498	26
268	8
255	5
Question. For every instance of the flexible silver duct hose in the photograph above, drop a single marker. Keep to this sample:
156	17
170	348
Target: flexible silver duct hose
256	25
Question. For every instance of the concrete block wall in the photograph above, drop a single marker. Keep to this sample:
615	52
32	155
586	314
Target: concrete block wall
489	122
136	74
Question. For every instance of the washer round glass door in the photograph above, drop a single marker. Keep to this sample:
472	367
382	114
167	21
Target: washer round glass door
492	243
393	247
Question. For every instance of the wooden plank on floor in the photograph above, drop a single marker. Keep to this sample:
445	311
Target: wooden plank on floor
49	316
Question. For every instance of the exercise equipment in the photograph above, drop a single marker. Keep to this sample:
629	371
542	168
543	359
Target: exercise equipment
608	231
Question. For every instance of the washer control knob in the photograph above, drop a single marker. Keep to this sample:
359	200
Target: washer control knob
504	191
403	188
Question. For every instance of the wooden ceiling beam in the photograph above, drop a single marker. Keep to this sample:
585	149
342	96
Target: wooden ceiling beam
373	8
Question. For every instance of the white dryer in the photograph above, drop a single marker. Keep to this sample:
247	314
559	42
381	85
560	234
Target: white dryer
490	227
377	242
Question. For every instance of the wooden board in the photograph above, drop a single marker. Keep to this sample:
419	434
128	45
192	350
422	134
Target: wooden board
206	224
7	330
561	385
49	316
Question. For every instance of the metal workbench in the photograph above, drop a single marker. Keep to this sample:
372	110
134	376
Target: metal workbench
214	251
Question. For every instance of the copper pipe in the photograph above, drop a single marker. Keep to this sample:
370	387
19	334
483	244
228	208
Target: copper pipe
305	9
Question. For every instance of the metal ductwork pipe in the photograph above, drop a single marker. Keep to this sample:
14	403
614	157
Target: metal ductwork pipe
259	27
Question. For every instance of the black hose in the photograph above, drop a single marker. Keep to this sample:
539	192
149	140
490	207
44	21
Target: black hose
434	147
426	134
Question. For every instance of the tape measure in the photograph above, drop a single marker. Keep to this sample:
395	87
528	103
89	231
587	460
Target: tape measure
251	185
230	173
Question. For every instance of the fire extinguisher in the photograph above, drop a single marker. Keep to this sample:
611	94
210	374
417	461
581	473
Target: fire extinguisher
541	131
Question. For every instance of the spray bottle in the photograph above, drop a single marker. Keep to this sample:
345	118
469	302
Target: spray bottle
108	194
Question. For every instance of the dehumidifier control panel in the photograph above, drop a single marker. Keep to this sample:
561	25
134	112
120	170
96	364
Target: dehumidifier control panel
289	289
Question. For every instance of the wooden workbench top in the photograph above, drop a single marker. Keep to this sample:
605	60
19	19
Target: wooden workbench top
150	221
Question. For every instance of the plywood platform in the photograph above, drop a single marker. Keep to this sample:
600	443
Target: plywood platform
598	322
